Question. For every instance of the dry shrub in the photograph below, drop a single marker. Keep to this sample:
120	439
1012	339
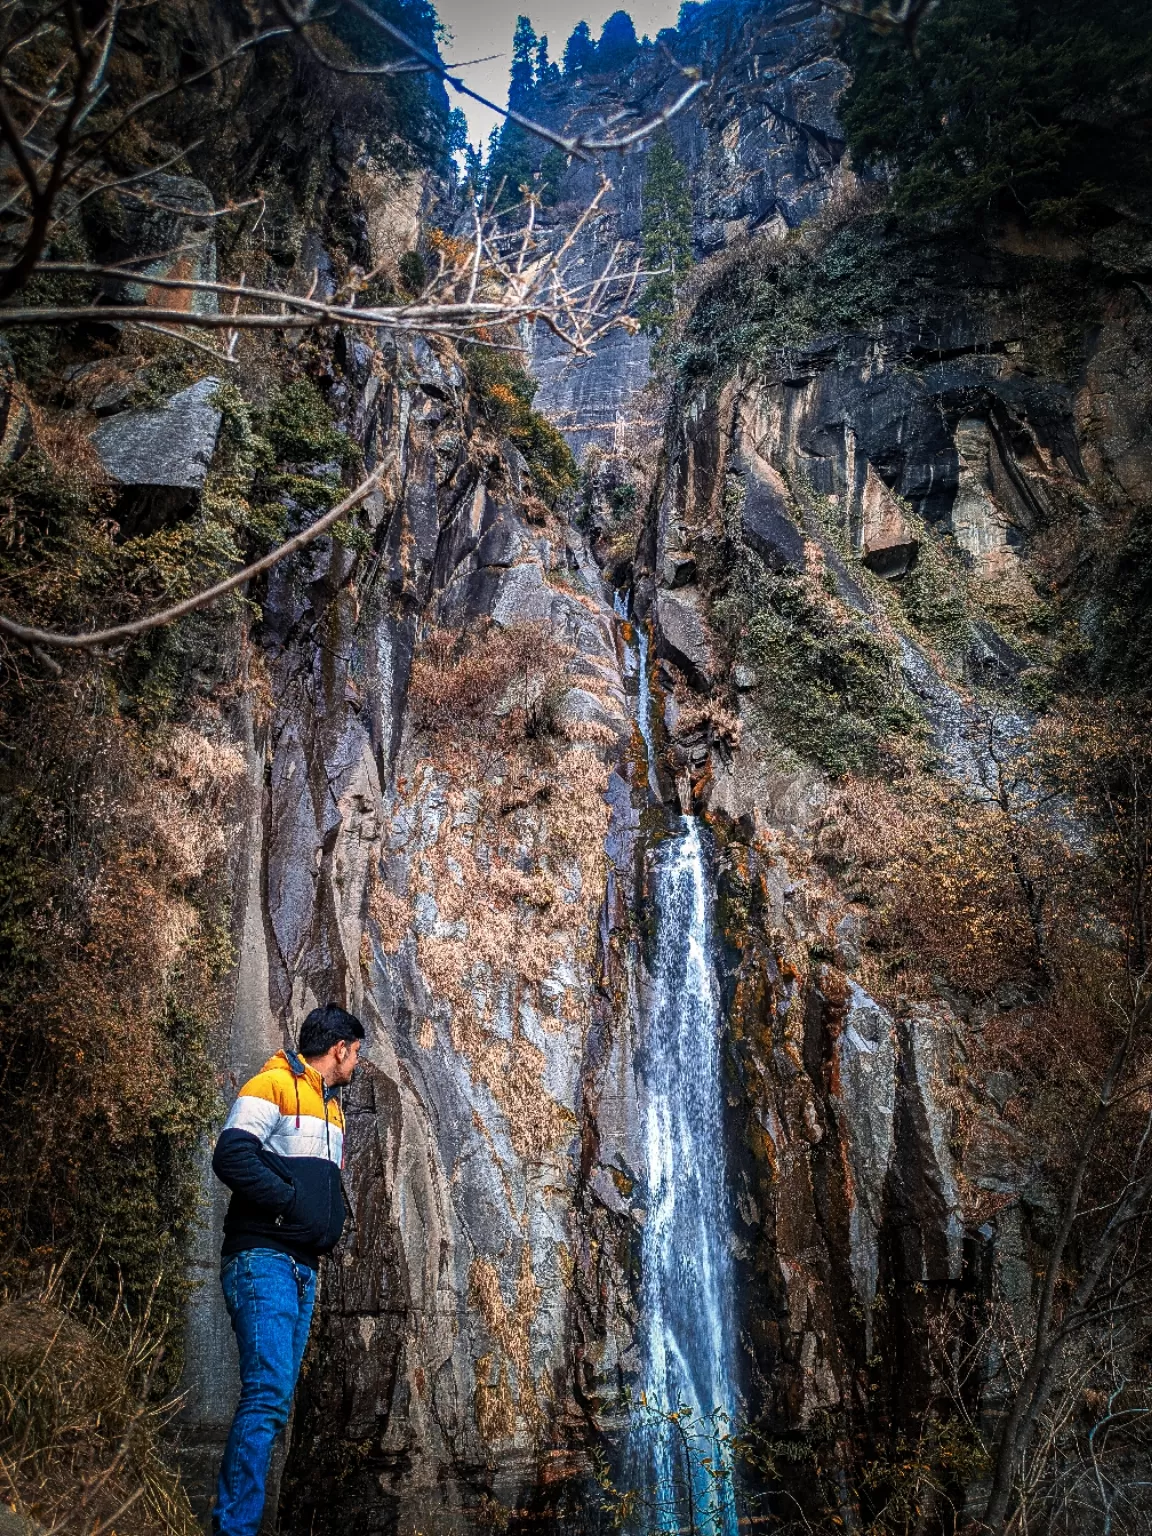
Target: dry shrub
113	937
513	884
511	1330
80	1440
66	443
936	869
1024	905
709	715
392	917
475	684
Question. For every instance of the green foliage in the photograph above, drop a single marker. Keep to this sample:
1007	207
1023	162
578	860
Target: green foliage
517	158
522	78
511	165
413	124
38	351
113	923
413	273
622	501
504	393
547	73
666	234
618	44
818	284
1008	106
299	430
827	685
933	594
457	131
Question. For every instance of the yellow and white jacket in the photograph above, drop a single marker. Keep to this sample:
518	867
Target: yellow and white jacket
280	1153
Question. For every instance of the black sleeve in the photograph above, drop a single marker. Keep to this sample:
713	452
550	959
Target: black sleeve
239	1162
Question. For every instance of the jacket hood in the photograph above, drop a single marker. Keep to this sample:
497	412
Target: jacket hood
289	1061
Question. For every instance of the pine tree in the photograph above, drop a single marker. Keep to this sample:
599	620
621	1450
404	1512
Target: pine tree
457	136
1009	106
512	150
474	167
579	50
618	45
666	235
524	46
547	73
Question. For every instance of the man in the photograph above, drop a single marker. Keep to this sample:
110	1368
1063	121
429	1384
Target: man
280	1154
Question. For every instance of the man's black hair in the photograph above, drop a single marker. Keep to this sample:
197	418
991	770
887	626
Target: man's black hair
324	1026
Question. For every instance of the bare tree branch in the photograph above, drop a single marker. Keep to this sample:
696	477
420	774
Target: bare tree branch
578	146
29	635
531	284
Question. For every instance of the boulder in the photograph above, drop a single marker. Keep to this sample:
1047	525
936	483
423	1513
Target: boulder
678	569
503	542
161	457
766	523
584	716
521	596
889	546
684	638
172	215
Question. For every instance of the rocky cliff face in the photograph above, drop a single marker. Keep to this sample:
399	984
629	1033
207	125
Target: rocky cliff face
762	151
457	822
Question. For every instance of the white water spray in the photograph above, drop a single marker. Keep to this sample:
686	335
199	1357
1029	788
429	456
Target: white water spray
686	1286
687	1272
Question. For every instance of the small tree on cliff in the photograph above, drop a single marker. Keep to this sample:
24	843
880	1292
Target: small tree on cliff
579	50
666	230
547	73
618	44
514	152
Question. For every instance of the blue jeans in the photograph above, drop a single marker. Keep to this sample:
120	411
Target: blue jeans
270	1298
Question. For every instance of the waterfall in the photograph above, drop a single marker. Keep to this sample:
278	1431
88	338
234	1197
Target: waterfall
644	709
686	1266
686	1285
636	665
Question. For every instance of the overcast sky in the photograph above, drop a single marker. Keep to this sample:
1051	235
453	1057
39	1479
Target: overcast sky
482	27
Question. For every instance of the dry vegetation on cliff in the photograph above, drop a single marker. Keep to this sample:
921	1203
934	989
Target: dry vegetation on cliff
515	868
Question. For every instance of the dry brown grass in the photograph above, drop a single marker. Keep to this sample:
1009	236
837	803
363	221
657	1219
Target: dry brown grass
117	914
474	685
511	1330
80	1440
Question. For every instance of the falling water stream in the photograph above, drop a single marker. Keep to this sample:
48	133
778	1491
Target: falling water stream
686	1287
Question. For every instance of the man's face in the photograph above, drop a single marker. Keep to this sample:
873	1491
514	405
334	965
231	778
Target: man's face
345	1054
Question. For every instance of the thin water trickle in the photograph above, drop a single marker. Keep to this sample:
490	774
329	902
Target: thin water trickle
636	665
644	710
